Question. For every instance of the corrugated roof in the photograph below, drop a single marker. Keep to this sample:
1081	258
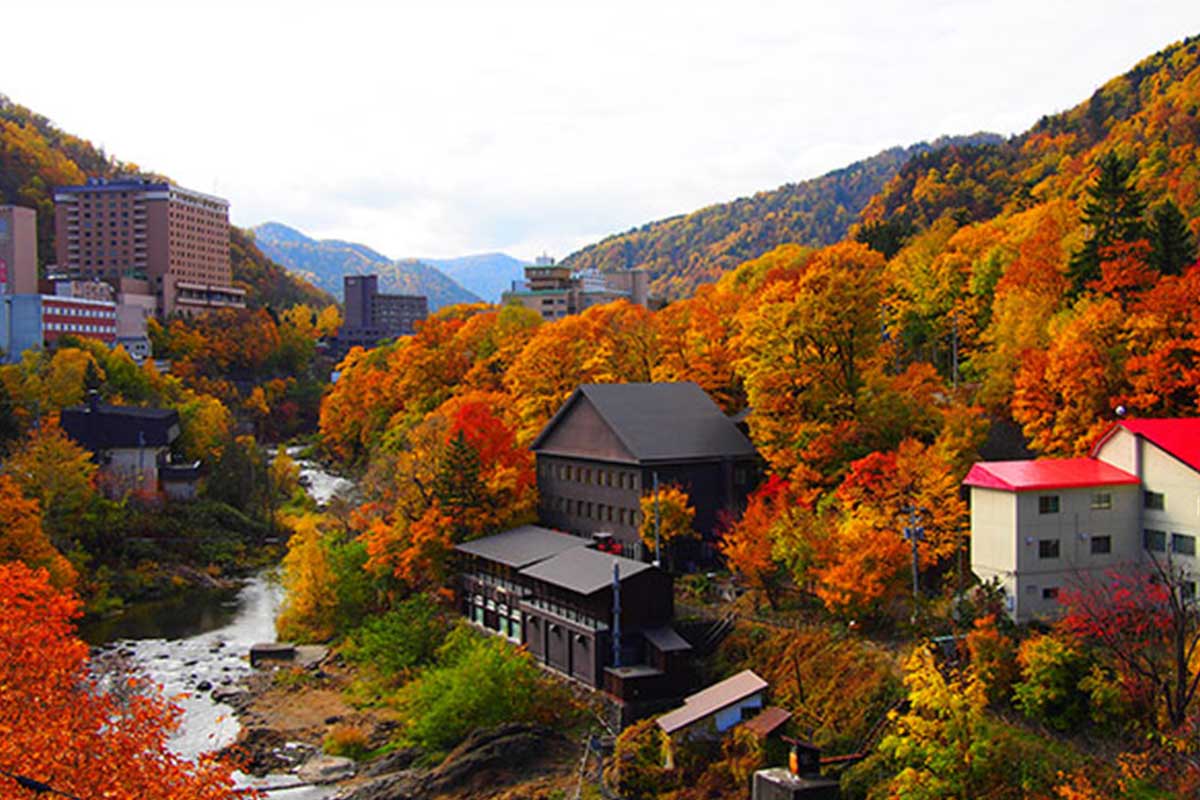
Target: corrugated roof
711	700
583	570
1179	437
666	639
1047	473
660	421
769	721
521	546
107	427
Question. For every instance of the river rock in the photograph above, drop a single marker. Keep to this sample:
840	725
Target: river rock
271	651
405	785
326	769
394	761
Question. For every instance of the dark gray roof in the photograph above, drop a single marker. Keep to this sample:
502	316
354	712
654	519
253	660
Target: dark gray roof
666	639
106	427
521	546
661	421
583	570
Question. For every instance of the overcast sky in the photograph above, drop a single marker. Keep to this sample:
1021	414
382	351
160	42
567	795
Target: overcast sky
441	128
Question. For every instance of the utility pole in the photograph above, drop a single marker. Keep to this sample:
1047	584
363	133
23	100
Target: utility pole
914	532
616	628
657	525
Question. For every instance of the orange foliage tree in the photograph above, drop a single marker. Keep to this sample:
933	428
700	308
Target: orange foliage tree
22	538
747	545
61	729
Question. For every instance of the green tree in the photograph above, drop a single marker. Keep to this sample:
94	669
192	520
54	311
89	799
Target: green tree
1172	246
1113	212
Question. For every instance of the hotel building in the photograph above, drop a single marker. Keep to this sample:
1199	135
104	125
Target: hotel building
174	238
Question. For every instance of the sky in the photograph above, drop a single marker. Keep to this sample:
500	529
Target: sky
441	128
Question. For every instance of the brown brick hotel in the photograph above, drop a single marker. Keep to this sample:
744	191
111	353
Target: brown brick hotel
174	238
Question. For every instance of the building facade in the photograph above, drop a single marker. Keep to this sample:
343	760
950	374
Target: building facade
372	317
18	250
38	321
1040	527
604	449
558	597
554	291
175	239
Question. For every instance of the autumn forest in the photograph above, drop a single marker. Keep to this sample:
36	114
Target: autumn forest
879	330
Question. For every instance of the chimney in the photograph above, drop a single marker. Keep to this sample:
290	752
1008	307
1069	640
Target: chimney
93	401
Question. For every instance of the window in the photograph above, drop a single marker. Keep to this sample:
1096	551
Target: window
1101	545
1183	544
1154	501
1048	548
1102	501
1048	504
1050	593
1154	541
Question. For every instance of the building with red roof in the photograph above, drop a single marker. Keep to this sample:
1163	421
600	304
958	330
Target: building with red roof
1040	526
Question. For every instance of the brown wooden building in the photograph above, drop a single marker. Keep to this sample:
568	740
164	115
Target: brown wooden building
600	453
552	593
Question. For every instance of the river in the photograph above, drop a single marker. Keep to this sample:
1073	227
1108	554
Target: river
198	643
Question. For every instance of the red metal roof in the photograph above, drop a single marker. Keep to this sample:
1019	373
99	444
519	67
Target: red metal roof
1046	473
1179	437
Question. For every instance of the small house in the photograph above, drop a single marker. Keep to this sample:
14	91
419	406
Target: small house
711	712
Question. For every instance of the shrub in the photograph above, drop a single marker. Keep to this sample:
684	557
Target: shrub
348	741
401	640
1052	669
478	682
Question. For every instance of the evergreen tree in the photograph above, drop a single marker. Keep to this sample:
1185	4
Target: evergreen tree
1172	246
10	429
1114	212
92	381
456	486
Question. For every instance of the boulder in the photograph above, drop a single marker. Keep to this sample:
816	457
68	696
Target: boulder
403	785
394	761
271	651
327	769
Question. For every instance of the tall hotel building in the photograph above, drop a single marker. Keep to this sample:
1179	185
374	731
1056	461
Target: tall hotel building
128	231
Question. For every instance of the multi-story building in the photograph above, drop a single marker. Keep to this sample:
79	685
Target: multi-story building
1039	527
36	321
18	250
372	317
554	291
174	238
609	443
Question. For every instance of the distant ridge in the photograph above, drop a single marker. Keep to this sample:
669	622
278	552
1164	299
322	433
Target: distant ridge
326	262
684	251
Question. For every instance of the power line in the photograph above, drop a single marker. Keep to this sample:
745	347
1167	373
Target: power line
37	787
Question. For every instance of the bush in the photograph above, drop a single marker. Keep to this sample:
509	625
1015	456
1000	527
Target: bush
1052	669
401	640
478	682
348	741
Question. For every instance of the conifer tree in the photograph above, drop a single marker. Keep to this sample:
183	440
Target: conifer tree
1172	246
1114	212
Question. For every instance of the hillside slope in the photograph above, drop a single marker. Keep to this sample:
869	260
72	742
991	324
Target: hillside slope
684	251
486	274
35	156
326	262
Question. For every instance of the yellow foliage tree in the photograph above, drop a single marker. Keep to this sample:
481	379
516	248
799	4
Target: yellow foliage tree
22	537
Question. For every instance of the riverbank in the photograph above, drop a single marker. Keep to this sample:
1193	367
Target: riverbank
286	713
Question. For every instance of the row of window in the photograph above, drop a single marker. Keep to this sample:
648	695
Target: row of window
70	327
1051	504
619	479
598	512
1187	589
1102	501
1156	542
93	313
1152	540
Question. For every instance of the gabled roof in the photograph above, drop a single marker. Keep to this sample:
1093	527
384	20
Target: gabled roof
659	421
1046	473
104	427
583	570
769	721
521	547
1178	437
711	700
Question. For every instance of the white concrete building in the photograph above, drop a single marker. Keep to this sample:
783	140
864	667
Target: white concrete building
1040	526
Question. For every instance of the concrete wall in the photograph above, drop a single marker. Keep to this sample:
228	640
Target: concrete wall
18	250
1014	540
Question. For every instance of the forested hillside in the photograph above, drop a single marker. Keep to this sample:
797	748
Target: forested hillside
684	251
327	261
1047	281
35	156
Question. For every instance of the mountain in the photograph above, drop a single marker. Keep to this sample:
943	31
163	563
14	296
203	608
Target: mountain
684	251
326	262
35	156
486	274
